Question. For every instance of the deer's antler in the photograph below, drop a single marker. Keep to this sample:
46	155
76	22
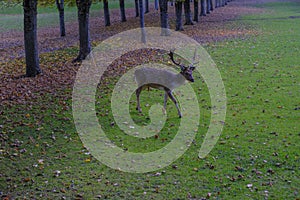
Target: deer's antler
192	66
195	55
171	54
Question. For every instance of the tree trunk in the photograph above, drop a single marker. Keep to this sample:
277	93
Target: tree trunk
142	22
202	12
106	13
146	6
83	7
122	10
136	4
188	13
196	10
178	11
172	2
207	6
30	38
61	10
156	4
164	24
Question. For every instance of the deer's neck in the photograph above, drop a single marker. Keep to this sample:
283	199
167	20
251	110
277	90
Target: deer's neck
178	81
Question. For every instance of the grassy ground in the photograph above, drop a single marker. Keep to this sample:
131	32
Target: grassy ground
12	17
257	156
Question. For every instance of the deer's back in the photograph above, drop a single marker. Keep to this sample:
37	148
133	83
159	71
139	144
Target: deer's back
154	77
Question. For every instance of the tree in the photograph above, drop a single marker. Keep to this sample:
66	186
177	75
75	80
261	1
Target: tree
178	11
142	21
196	10
211	5
216	3
83	7
146	6
222	2
30	38
164	24
106	13
122	10
207	6
136	5
156	4
188	13
172	2
61	10
202	12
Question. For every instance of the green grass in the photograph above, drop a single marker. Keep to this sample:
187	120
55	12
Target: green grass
259	145
16	9
12	17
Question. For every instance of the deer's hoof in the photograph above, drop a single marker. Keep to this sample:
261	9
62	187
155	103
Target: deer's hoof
138	109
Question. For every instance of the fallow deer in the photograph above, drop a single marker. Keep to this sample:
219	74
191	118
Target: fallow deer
163	79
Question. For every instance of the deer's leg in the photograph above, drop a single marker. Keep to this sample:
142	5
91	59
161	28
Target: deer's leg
169	92
138	92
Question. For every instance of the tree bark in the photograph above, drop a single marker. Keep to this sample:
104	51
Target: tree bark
196	10
146	6
207	6
106	13
83	7
142	22
122	10
163	4
188	13
202	12
172	2
30	38
178	11
211	5
61	10
136	5
156	4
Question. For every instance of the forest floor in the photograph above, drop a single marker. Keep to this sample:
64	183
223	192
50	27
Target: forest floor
212	27
60	72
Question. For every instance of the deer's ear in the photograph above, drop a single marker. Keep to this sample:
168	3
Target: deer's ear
192	68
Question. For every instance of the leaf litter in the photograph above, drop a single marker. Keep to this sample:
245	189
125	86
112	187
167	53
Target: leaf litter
56	53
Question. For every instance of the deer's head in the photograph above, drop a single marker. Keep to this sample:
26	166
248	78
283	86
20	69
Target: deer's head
187	72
